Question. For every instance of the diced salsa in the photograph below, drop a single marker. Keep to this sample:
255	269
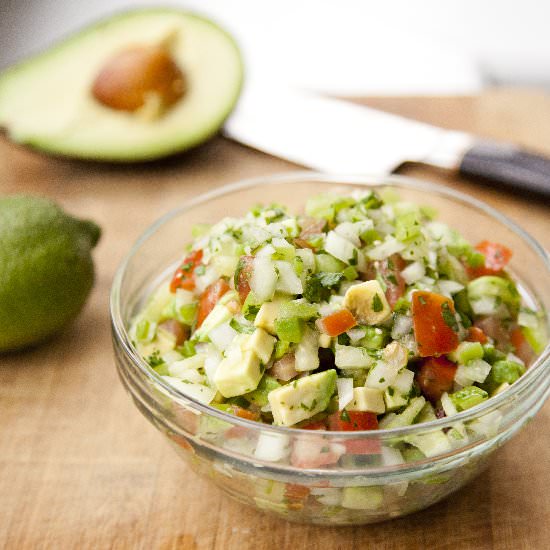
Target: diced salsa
355	315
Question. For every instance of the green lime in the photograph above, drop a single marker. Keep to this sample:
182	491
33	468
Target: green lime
46	270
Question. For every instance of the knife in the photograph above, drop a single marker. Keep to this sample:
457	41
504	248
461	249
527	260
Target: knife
336	136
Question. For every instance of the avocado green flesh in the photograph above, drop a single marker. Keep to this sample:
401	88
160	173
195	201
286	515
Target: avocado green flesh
46	102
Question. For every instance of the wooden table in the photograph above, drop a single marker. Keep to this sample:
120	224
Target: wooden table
81	468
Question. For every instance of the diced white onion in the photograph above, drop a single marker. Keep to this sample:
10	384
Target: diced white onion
264	278
222	336
404	381
515	358
448	288
355	334
265	251
402	326
475	370
413	272
349	232
272	447
339	247
384	250
210	276
345	391
448	405
211	364
288	282
349	357
486	305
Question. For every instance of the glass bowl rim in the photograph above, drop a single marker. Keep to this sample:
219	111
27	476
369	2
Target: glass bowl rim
303	176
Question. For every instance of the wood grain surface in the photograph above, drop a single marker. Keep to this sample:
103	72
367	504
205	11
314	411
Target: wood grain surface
81	468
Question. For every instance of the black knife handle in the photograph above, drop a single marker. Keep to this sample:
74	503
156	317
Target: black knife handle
509	165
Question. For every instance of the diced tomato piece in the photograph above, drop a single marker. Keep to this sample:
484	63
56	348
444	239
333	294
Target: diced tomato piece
245	413
284	368
352	421
319	425
497	257
434	323
522	348
390	271
236	432
294	491
243	273
209	298
436	376
337	323
181	441
184	275
475	334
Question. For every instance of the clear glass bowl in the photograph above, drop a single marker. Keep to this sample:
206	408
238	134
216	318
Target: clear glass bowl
279	469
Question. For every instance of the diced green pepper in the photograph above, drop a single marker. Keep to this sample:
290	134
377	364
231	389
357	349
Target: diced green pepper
492	354
259	395
375	338
504	371
328	263
466	351
281	348
298	309
350	273
468	397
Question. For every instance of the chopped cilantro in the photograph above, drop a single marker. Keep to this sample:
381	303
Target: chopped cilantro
319	285
154	359
344	416
377	303
448	316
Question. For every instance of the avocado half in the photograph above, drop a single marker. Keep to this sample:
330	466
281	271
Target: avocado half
46	101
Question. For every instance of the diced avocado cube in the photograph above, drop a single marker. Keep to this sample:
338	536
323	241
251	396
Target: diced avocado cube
267	315
261	343
237	374
394	399
303	398
362	498
466	351
368	400
504	371
290	330
368	303
468	397
259	395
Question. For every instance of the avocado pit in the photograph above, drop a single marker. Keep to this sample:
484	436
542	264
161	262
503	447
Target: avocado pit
134	77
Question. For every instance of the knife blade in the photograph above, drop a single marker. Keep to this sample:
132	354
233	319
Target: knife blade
337	136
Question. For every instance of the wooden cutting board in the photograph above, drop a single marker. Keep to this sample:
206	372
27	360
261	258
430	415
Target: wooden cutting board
81	468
